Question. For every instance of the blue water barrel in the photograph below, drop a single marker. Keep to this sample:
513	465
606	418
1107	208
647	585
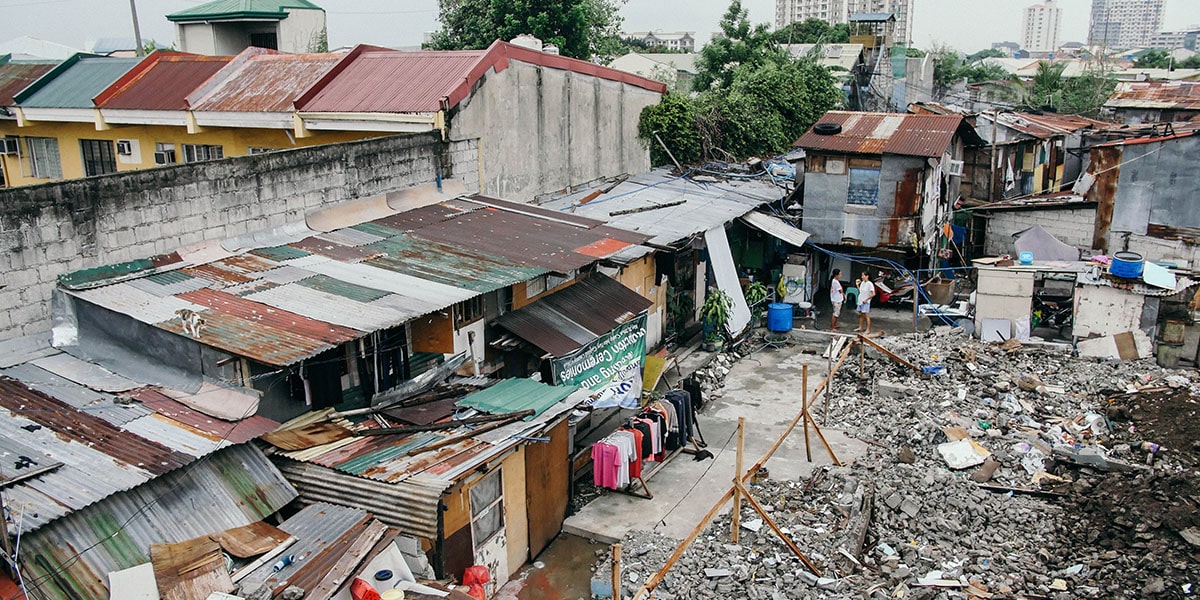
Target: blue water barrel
779	317
1127	265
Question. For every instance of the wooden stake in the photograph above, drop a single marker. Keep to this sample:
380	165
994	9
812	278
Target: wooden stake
862	358
775	527
804	409
737	474
616	571
891	354
648	587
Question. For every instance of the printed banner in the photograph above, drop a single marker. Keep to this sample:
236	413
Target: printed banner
610	366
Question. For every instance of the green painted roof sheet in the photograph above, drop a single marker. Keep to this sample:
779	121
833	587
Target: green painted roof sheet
241	9
434	261
513	395
280	253
345	289
76	84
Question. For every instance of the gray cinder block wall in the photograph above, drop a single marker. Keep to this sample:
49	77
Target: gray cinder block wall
51	229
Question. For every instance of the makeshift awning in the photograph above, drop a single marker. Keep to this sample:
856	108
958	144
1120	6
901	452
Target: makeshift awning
776	227
515	395
566	321
721	259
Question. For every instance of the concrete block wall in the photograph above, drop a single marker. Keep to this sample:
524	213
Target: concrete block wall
1074	227
52	229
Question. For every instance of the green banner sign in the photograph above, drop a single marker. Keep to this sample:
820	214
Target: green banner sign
610	365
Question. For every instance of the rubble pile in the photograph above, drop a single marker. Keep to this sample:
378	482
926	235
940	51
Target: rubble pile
992	471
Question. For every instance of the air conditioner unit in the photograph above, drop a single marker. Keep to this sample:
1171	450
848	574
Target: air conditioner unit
124	147
9	146
164	157
954	168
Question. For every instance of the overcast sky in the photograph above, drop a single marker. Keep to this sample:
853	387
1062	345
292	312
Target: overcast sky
968	25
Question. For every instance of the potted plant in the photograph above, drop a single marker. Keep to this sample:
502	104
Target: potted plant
714	313
756	293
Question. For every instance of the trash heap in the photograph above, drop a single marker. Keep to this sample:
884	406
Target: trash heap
993	471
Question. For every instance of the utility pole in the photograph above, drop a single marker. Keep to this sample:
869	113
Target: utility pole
137	30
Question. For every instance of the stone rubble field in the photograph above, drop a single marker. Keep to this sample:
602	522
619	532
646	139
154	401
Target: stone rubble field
995	471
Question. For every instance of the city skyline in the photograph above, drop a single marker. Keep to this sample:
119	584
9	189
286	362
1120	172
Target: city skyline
380	22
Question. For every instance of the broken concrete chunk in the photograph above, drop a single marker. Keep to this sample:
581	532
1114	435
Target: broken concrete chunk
716	573
1191	535
753	525
1058	585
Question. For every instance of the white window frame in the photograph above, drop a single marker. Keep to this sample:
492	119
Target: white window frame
201	152
52	156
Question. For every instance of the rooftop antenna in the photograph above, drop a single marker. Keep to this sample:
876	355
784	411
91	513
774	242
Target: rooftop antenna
137	30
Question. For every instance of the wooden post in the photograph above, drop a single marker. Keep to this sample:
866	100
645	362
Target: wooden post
779	532
616	571
737	475
862	358
804	410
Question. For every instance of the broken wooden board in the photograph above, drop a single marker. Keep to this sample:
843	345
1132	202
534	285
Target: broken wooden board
307	436
190	570
250	540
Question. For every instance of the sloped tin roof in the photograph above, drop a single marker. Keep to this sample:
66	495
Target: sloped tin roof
281	304
568	319
514	395
257	81
394	82
15	76
75	82
240	9
1173	95
885	133
161	81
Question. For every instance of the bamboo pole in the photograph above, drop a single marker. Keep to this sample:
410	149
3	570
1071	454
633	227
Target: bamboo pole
737	473
616	571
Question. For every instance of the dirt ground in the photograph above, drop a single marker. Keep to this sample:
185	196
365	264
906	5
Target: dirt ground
1141	510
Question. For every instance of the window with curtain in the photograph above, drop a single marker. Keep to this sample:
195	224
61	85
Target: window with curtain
44	162
487	508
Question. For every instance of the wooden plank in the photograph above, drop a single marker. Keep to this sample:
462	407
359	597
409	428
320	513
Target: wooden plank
189	570
251	540
306	436
616	571
458	438
348	563
547	487
736	522
241	573
447	425
891	354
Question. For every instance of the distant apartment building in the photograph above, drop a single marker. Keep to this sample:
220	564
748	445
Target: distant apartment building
681	41
835	12
1170	40
1039	30
1124	23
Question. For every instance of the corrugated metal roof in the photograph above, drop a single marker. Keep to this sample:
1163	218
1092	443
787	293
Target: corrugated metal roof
331	308
1046	125
161	82
886	133
566	320
316	527
240	9
87	400
231	488
256	82
515	395
1170	95
85	373
15	76
211	427
704	206
393	82
449	265
270	316
76	84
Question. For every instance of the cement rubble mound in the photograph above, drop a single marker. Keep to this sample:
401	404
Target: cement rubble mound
1077	478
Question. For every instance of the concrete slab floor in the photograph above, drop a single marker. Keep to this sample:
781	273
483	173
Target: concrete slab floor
562	572
763	387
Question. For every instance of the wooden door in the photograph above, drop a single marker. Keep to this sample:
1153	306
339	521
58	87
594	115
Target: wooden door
546	481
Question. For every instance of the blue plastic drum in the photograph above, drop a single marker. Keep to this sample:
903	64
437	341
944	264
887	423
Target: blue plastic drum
779	317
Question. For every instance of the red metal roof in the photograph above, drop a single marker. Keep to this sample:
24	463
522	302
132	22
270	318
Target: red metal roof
67	422
259	80
886	133
161	82
377	80
14	77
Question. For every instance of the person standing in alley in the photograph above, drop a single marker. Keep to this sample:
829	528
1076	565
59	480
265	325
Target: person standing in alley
836	297
866	292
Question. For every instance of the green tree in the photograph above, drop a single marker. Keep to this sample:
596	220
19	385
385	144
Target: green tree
577	27
1153	59
674	120
1191	62
1086	94
982	54
769	107
812	31
739	45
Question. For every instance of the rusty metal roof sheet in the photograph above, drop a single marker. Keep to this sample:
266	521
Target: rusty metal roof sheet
568	319
1047	125
1170	95
15	76
259	82
233	432
93	402
392	82
887	133
272	317
161	81
449	264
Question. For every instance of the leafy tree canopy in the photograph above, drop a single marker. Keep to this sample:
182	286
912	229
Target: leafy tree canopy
1153	59
578	27
812	31
982	54
739	45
